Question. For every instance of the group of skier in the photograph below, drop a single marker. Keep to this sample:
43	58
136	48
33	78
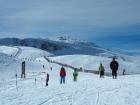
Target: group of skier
63	75
114	65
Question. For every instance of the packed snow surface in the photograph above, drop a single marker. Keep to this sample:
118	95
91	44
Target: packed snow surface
89	62
8	50
88	90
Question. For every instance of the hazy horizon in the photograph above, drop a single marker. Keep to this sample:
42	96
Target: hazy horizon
129	45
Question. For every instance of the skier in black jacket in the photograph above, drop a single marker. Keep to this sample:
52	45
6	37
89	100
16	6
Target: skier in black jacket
114	67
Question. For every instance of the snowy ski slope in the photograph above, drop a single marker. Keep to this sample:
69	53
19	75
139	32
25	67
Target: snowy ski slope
88	90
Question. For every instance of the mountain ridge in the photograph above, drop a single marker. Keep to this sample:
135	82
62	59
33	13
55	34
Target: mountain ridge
57	46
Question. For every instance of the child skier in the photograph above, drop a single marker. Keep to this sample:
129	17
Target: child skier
62	75
101	70
75	74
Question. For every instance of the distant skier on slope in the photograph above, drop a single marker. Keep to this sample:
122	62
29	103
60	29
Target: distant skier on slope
47	79
114	67
123	73
23	75
62	75
75	75
51	68
101	70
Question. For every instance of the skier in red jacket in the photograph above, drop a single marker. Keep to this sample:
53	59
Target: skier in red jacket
62	75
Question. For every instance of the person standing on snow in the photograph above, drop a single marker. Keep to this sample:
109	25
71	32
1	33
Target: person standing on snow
101	70
62	75
123	72
114	67
75	74
51	68
47	79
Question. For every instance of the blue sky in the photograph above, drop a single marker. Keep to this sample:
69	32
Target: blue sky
93	20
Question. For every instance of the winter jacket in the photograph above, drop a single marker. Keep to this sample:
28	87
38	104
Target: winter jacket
75	73
114	65
62	72
101	68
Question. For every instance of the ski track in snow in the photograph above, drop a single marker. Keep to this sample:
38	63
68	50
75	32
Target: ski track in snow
74	96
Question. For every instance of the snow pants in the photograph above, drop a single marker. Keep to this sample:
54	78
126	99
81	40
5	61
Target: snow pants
62	79
75	78
101	74
114	74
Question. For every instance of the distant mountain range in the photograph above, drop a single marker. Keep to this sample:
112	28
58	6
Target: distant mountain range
30	42
57	46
